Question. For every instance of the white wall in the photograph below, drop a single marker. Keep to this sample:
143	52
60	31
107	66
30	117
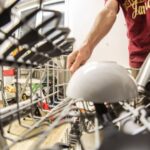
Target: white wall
80	15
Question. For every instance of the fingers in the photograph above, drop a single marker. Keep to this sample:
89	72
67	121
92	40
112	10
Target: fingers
76	64
71	58
79	61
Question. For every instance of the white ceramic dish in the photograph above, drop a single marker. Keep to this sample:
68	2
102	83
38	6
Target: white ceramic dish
102	82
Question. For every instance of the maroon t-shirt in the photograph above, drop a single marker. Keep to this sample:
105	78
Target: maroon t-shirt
137	16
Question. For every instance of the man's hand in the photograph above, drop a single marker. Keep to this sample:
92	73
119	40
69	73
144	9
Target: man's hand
78	58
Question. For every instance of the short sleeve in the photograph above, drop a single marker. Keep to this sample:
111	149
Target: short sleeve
118	4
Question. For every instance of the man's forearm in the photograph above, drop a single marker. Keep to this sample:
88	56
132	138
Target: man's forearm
101	27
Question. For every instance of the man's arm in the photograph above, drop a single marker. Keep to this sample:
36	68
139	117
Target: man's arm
101	27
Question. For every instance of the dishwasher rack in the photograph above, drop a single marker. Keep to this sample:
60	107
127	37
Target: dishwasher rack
40	94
